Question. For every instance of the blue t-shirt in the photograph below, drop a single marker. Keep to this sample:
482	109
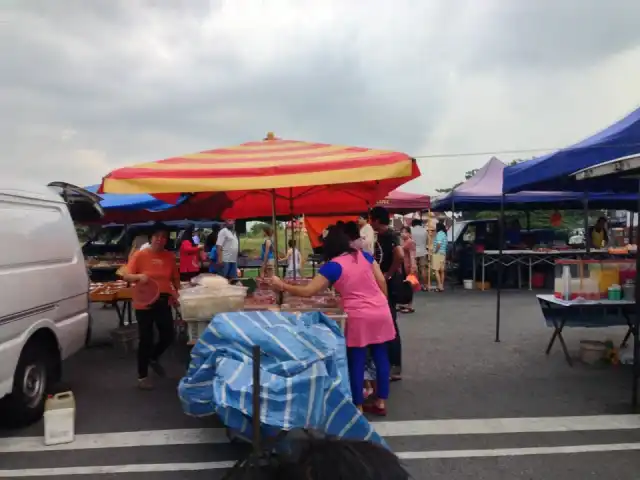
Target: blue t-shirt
441	242
263	251
333	270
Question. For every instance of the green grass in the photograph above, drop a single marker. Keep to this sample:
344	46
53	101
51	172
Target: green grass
251	246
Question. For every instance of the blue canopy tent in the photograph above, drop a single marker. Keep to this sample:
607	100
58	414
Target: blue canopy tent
552	171
483	191
132	202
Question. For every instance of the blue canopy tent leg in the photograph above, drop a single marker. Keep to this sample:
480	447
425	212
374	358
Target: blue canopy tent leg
500	267
585	205
636	333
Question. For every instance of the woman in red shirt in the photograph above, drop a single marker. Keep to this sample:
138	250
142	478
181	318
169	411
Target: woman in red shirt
189	255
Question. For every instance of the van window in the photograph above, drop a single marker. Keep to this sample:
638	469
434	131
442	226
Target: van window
469	235
39	230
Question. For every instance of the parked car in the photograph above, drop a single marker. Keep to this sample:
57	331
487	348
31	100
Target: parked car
44	291
470	236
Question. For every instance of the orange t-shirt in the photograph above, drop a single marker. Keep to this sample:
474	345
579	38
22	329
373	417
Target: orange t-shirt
160	266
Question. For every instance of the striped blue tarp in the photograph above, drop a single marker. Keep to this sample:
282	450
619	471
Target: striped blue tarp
304	378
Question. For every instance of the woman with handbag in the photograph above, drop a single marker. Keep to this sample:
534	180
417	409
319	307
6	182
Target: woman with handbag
410	264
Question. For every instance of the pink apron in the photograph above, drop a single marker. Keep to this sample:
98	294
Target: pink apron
369	319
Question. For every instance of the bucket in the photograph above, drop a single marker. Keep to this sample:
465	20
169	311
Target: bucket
592	351
468	284
59	419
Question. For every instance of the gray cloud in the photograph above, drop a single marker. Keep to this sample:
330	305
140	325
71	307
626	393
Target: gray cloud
90	86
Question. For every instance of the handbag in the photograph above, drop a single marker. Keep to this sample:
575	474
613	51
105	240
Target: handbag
404	293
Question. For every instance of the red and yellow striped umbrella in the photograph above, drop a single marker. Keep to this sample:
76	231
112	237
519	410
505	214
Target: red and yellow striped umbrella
305	177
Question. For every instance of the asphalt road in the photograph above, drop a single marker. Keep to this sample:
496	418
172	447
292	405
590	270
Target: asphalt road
468	408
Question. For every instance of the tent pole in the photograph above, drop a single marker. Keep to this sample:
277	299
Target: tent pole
293	232
500	266
585	205
636	340
275	232
453	231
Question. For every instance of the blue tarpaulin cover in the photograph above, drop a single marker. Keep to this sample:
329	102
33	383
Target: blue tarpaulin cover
304	377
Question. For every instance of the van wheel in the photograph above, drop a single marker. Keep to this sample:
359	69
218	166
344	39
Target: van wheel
34	375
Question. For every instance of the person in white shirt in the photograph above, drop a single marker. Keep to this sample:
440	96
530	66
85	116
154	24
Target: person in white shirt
367	234
294	260
419	235
227	249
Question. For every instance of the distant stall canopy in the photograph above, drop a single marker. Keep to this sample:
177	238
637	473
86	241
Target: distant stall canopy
483	191
553	171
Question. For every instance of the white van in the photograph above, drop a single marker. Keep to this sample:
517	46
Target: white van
44	302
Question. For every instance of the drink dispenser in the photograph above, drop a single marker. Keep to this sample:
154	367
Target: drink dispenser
567	283
609	275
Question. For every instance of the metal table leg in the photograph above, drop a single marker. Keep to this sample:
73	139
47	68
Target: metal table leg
557	333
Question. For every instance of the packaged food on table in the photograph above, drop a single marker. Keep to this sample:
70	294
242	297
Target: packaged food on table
202	303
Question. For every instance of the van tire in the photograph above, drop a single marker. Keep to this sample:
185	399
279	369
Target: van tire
36	372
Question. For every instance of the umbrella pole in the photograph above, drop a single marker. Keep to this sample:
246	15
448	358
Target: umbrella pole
293	232
275	230
275	241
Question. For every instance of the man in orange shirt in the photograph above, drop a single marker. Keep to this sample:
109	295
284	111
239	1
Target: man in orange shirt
154	264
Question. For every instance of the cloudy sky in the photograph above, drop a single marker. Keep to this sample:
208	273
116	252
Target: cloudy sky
90	85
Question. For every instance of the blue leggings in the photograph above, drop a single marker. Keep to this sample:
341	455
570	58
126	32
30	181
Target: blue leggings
357	358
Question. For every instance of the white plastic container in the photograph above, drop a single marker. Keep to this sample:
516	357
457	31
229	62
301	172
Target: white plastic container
202	303
468	284
60	419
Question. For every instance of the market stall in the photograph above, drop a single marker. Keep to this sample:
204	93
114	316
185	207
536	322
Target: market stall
483	191
561	170
260	178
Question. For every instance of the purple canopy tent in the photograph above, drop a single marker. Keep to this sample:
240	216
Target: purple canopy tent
483	191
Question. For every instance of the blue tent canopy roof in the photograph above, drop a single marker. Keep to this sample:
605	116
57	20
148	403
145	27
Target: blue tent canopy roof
553	171
131	202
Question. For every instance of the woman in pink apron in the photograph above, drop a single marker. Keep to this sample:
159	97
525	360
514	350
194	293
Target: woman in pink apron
362	287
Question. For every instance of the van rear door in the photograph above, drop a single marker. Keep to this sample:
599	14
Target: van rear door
84	205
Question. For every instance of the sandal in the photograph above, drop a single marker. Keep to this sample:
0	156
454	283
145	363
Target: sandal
407	310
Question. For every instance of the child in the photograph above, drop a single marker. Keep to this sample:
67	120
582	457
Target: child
294	259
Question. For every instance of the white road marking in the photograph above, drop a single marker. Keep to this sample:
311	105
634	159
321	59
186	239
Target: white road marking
155	438
423	455
507	425
151	438
518	452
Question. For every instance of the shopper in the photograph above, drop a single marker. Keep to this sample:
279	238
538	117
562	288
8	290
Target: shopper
366	233
158	265
294	260
439	259
212	250
227	250
361	284
189	255
410	267
267	253
390	256
419	235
